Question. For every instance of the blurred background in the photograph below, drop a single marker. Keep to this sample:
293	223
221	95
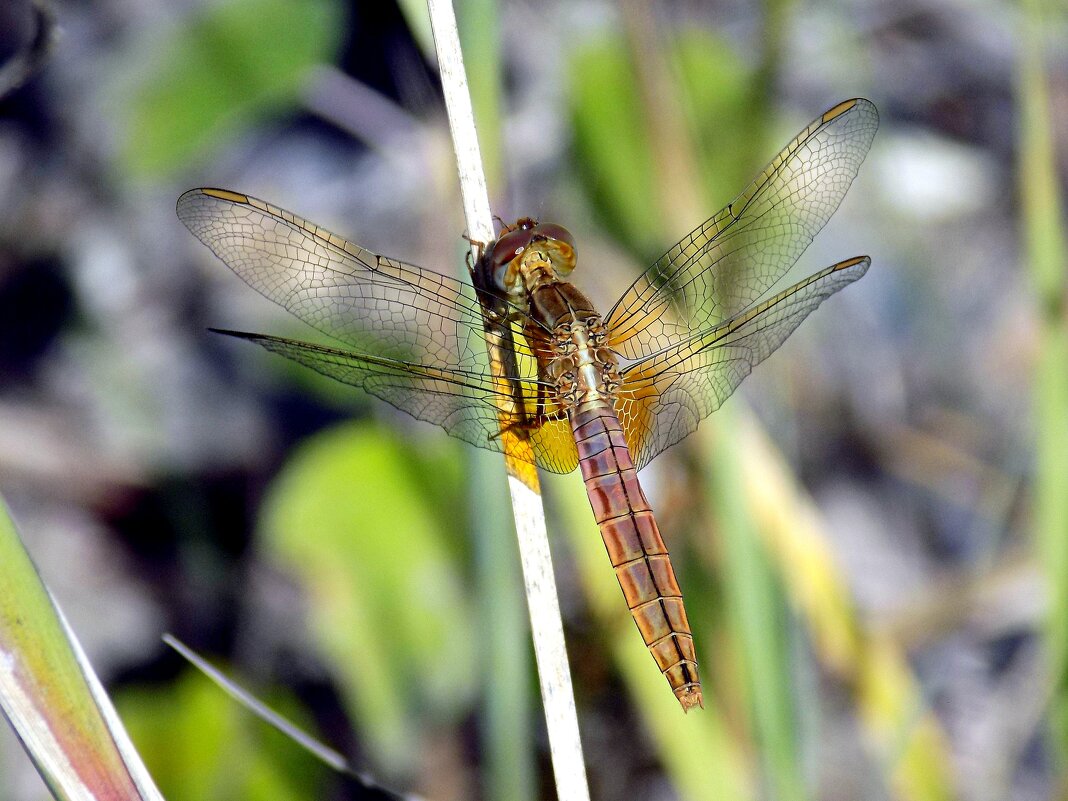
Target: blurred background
872	534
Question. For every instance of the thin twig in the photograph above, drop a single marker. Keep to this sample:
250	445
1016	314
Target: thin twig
320	751
544	608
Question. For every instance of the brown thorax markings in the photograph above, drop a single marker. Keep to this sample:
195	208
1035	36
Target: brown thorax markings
583	368
575	357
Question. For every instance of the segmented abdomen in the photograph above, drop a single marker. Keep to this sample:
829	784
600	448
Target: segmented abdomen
636	548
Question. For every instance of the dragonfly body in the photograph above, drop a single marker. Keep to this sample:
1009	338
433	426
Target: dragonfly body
605	393
569	341
635	547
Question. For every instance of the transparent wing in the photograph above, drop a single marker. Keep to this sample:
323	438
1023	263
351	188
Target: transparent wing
734	258
375	304
663	397
418	336
464	403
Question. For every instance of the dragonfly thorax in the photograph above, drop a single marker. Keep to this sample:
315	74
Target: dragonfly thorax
581	367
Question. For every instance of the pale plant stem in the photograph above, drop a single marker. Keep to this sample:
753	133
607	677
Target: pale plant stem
546	626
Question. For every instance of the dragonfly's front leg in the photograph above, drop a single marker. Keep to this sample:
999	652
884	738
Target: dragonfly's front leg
474	256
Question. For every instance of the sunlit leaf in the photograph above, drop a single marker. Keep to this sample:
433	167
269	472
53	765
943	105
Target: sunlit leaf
220	70
201	746
365	521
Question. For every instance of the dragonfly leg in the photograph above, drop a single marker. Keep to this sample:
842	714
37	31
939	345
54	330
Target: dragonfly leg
532	423
479	246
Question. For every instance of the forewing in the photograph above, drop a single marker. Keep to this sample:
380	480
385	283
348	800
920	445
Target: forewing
730	261
418	336
377	305
663	397
466	403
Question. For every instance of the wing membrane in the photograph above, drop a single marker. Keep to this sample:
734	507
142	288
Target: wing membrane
693	323
463	402
418	337
664	396
731	260
370	302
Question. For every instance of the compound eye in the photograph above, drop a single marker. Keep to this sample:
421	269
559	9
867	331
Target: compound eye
554	231
559	244
505	251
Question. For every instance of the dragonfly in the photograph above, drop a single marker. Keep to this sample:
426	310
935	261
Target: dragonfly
605	393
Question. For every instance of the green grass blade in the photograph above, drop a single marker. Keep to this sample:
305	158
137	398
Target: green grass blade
506	674
1045	254
319	750
50	695
887	695
756	615
277	721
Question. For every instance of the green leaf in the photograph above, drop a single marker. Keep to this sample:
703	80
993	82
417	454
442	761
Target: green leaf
612	150
1045	248
230	67
202	746
755	613
366	522
51	697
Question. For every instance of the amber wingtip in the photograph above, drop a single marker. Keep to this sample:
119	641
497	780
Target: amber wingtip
223	194
843	265
838	110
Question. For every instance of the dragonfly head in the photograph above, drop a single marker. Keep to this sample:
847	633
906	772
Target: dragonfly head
529	250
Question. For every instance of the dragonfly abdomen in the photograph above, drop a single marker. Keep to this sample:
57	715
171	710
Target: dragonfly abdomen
638	554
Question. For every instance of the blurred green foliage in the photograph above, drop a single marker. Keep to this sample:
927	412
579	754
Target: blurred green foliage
370	525
200	745
218	72
614	149
756	616
1046	257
